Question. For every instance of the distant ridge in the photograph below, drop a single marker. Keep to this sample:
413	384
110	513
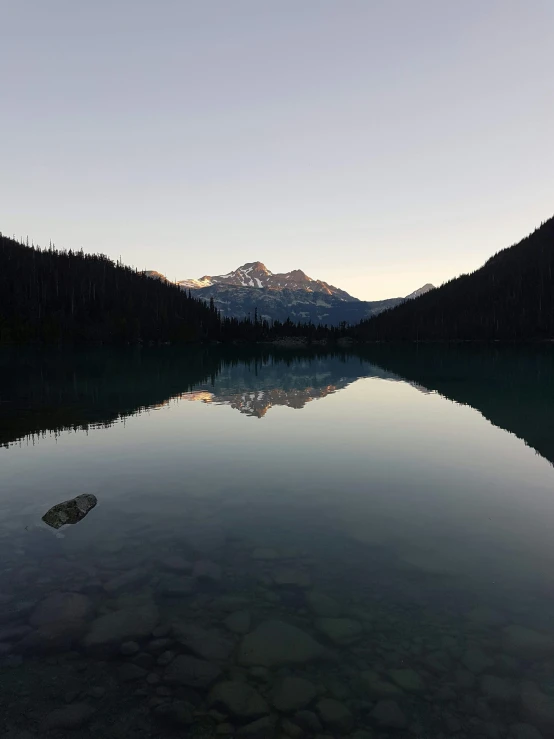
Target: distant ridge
253	289
510	298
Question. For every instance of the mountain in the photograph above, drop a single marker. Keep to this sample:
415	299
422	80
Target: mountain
256	274
510	298
298	305
68	297
253	288
420	291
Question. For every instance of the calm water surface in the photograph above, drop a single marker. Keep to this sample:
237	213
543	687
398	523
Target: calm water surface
304	545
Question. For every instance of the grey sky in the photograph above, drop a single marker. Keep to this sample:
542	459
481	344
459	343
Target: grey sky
376	145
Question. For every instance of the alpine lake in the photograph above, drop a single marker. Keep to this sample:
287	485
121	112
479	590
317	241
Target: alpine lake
309	544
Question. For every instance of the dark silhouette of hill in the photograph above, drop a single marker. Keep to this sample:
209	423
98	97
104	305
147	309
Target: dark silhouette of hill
511	386
70	297
510	298
47	295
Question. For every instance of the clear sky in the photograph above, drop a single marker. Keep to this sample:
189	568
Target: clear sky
377	145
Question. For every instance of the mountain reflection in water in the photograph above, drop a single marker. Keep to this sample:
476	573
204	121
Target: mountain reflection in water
51	391
349	555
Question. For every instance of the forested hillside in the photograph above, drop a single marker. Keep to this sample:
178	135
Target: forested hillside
71	297
510	298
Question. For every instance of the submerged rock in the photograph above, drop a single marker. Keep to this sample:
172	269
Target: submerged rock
70	717
527	643
123	625
335	714
206	571
206	643
378	686
52	637
238	698
498	689
408	679
524	731
292	693
340	630
61	607
476	661
278	643
191	672
322	604
178	713
260	729
292	577
239	622
537	707
70	511
388	714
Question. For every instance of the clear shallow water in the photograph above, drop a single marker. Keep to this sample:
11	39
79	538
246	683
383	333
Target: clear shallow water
392	508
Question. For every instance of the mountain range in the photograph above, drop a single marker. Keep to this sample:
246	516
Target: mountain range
253	288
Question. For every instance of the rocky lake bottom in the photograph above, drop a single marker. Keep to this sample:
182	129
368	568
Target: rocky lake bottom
209	635
206	615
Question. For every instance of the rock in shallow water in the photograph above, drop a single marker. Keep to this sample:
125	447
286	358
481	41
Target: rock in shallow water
524	731
70	717
206	571
408	680
389	715
378	686
176	563
341	631
191	672
263	728
61	607
177	713
292	693
238	698
119	626
206	643
537	707
51	638
497	689
322	605
275	643
128	648
238	622
70	511
292	577
476	661
527	643
126	580
14	633
309	721
335	714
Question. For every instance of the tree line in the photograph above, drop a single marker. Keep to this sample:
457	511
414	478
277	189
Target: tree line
510	298
55	296
71	297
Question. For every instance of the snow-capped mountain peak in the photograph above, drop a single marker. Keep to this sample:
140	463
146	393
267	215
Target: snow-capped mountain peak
257	275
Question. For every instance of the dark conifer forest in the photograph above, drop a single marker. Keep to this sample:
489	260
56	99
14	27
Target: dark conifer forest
55	296
50	296
510	298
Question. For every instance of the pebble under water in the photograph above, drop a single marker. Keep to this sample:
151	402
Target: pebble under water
224	586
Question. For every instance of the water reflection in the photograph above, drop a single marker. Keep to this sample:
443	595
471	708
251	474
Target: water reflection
375	566
55	391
